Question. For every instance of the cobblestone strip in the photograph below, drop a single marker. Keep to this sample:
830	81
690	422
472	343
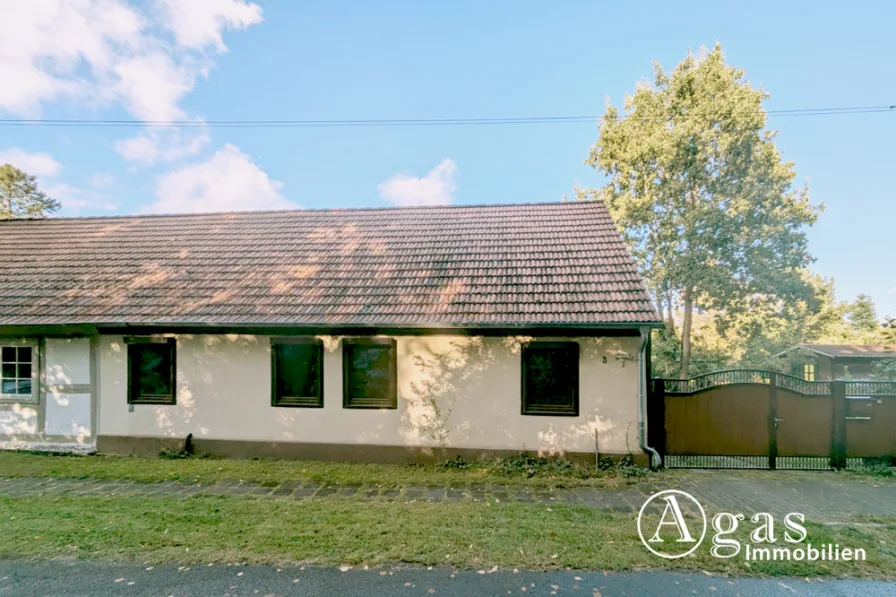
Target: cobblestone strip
594	498
820	498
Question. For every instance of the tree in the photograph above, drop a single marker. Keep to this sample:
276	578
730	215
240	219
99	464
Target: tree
701	193
863	320
888	334
20	196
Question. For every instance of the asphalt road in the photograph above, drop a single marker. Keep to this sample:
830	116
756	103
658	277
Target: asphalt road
84	579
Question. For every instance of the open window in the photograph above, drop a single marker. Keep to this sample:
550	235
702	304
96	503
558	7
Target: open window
551	378
297	372
151	370
369	373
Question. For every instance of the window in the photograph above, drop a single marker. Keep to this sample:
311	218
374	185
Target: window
551	378
151	371
297	370
17	372
369	373
809	371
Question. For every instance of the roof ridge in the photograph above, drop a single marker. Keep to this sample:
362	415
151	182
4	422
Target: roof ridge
317	210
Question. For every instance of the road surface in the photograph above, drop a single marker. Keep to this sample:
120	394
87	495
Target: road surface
86	579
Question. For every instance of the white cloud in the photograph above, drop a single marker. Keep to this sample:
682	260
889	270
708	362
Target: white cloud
74	200
36	164
57	48
198	23
100	52
102	180
161	145
228	181
45	168
436	188
151	85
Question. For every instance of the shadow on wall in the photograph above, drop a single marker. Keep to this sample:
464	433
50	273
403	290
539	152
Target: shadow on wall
467	392
454	392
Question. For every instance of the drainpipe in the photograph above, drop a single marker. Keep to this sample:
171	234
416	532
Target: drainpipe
655	460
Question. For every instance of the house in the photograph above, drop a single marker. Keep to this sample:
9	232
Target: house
358	334
824	362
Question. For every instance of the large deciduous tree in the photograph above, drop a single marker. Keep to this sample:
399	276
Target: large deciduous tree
20	196
702	194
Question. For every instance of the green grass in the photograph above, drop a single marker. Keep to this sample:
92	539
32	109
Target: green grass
347	531
210	470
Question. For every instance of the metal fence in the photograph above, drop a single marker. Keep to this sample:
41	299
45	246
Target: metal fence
750	418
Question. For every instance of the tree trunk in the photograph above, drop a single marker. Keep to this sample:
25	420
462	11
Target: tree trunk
686	332
670	319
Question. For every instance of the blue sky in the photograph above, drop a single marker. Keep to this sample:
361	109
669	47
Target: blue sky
231	59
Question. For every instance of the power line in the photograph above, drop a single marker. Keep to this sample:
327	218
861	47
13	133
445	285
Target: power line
24	122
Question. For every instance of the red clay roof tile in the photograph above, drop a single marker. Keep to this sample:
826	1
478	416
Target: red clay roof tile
515	265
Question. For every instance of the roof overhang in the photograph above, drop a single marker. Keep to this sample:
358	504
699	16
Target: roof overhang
564	329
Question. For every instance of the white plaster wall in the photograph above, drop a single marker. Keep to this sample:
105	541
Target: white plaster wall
68	361
18	419
68	415
223	392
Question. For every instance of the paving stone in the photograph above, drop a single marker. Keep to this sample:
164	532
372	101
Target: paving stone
820	496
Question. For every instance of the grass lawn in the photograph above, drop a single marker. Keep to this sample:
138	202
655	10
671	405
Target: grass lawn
347	531
210	470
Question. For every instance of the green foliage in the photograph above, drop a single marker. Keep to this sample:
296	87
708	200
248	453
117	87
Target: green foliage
885	370
528	466
888	331
457	463
20	196
862	319
701	193
171	454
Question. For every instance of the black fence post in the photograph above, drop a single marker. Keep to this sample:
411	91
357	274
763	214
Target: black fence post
656	417
838	431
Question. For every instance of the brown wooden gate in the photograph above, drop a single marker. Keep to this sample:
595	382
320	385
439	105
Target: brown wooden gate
765	419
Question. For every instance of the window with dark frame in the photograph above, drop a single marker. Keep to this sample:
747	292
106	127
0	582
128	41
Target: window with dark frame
369	373
16	371
151	371
550	378
297	372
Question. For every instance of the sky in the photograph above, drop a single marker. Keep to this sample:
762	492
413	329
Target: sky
211	60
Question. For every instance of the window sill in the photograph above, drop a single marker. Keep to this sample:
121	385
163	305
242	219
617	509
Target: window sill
11	399
154	401
370	406
297	405
550	413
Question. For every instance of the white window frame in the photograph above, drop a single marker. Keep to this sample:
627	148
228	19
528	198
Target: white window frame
34	397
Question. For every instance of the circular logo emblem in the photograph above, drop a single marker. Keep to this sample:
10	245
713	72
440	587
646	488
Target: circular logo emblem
680	528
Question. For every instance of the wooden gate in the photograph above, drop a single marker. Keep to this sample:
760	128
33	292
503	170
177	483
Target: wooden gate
765	419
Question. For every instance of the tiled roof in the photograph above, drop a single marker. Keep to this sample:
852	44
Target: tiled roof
851	350
488	265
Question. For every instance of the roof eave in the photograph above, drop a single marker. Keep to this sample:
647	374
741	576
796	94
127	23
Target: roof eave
323	328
